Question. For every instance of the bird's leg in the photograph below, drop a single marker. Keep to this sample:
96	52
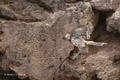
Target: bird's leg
75	55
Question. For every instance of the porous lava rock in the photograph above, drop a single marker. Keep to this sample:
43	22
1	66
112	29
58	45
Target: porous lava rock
103	65
105	5
22	10
36	48
113	22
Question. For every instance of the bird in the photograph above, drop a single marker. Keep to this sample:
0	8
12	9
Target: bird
78	38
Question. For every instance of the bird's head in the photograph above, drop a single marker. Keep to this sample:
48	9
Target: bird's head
67	37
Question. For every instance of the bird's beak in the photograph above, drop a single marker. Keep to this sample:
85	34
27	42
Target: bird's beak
66	37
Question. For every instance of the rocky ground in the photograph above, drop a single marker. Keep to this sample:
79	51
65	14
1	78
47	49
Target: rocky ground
32	45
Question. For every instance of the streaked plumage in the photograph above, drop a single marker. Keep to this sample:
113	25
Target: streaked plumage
76	38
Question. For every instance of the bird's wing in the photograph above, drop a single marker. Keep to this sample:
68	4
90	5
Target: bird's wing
78	42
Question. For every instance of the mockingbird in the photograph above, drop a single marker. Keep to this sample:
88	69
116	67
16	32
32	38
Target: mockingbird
78	38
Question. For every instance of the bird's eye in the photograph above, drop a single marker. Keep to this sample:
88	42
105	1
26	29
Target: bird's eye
84	37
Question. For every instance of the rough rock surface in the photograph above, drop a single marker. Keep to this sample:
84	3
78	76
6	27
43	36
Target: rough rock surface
70	1
24	11
50	5
32	44
113	22
83	15
101	63
25	49
37	49
103	66
105	5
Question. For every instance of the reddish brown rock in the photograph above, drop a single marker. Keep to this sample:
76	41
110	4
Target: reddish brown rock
37	49
33	49
83	15
113	22
32	38
70	1
24	11
51	5
105	5
103	66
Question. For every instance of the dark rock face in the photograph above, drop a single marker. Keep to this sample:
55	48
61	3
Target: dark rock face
83	14
32	44
70	1
105	5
